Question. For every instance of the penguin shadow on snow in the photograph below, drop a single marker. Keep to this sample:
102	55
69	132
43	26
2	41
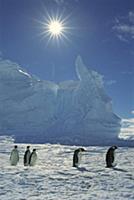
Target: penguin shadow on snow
82	169
119	169
127	175
116	168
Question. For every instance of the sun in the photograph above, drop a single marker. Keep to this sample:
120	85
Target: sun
55	28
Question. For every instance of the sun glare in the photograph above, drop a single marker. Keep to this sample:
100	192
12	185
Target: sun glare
55	27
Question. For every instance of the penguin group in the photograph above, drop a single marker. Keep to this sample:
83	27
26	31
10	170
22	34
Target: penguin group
28	160
31	158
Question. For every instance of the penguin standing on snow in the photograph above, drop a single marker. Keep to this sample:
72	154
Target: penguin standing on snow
27	156
33	158
14	157
76	156
110	156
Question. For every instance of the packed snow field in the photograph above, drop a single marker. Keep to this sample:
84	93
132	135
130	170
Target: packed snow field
54	178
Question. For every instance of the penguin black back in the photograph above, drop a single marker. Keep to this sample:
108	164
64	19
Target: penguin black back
27	156
75	156
110	156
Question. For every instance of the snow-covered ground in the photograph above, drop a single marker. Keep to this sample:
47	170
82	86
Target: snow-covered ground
54	178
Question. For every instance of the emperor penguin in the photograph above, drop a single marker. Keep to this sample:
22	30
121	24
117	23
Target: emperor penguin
33	158
76	156
27	156
110	156
14	156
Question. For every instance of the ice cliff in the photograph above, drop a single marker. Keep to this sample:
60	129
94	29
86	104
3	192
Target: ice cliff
71	112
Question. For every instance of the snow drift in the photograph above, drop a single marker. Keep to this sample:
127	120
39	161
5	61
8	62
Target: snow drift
71	112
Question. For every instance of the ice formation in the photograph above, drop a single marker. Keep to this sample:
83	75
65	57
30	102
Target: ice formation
71	112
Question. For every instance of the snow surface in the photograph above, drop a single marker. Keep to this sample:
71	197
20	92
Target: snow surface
71	112
54	178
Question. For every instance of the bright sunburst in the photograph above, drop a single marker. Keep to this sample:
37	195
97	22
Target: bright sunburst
55	28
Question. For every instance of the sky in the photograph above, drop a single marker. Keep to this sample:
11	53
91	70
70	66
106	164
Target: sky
101	31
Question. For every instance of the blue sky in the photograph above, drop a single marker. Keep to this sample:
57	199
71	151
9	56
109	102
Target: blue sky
101	31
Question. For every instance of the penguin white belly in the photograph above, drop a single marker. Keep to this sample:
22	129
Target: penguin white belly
14	158
33	160
79	158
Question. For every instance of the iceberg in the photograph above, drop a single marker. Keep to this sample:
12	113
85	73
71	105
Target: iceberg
71	112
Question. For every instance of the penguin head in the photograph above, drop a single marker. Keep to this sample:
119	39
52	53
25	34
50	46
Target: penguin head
114	147
28	147
34	150
15	146
82	149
